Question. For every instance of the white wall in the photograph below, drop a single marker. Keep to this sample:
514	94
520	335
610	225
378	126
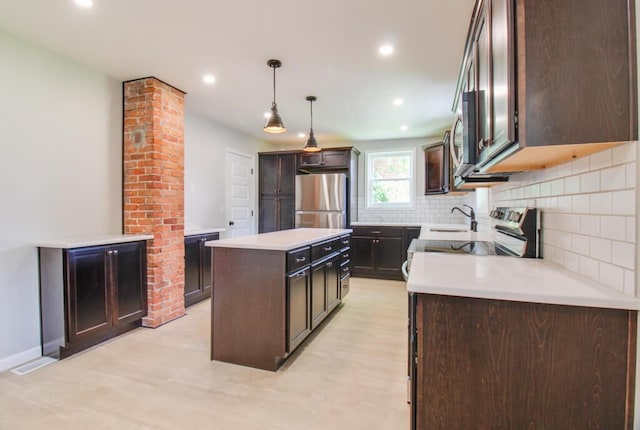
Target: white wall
60	174
428	209
206	144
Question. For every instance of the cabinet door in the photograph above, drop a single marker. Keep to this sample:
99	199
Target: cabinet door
88	292
268	171
286	213
332	268
503	73
388	252
362	254
129	262
268	214
336	159
319	308
298	315
206	262
287	174
311	159
436	169
191	266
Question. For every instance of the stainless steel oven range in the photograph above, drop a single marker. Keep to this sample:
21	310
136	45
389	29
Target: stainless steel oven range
516	234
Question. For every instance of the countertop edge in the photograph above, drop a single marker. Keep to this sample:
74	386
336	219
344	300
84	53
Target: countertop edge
196	231
93	241
249	242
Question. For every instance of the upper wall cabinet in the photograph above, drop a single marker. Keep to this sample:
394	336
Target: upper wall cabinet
552	80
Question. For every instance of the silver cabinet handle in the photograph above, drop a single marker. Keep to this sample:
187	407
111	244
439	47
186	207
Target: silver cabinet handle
327	248
301	259
375	231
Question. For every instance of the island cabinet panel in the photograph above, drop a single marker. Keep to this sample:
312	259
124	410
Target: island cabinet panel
90	294
265	303
513	365
198	277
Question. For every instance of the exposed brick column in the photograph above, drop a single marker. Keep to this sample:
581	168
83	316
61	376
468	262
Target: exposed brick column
154	189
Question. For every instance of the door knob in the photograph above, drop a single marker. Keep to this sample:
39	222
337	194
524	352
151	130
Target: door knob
231	223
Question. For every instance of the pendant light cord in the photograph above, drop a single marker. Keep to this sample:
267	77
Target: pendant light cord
311	115
274	86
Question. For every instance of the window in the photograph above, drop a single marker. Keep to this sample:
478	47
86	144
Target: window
390	179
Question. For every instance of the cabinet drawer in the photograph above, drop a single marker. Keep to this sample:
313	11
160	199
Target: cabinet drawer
298	258
323	249
345	269
345	241
374	231
345	255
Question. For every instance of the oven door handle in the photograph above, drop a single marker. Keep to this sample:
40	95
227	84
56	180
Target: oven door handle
405	270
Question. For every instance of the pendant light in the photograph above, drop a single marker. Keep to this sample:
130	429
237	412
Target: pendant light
274	122
312	143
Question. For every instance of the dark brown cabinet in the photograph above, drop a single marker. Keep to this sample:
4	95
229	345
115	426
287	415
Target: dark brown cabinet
267	302
480	363
298	307
436	174
345	266
325	159
377	252
198	276
277	173
540	98
103	287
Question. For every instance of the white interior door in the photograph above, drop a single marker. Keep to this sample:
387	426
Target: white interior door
239	194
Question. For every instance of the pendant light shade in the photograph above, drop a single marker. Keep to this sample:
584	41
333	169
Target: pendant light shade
312	143
274	122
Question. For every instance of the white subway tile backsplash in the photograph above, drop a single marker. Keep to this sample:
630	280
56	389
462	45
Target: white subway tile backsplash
624	202
613	227
631	175
600	249
623	254
572	185
631	229
580	244
579	165
600	160
589	182
613	178
590	225
588	213
589	267
580	204
630	282
624	153
601	203
611	276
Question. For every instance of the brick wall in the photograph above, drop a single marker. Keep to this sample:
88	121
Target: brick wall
153	201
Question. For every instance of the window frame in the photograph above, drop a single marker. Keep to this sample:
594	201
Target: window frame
369	181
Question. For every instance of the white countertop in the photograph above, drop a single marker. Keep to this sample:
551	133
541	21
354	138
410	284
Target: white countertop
80	242
386	224
437	232
283	240
193	232
510	278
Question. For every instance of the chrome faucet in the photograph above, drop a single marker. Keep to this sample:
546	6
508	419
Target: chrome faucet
471	214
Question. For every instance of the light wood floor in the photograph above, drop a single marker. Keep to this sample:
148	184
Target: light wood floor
350	375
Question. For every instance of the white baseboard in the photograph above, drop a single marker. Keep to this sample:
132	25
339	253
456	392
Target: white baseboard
17	359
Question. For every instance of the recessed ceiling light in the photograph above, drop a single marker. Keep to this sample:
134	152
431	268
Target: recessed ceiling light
404	127
84	3
386	50
398	102
209	79
302	135
267	114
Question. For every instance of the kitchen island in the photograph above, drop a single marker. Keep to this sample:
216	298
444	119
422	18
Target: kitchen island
500	342
271	290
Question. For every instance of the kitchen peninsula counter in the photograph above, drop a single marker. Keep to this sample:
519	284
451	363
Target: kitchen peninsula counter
517	342
271	290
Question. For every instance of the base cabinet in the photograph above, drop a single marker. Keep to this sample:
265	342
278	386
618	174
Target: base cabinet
198	276
90	294
492	364
377	252
266	302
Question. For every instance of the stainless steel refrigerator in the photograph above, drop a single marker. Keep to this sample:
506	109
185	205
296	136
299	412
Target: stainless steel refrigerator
321	200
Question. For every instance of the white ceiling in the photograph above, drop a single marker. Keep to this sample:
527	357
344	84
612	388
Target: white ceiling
328	49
